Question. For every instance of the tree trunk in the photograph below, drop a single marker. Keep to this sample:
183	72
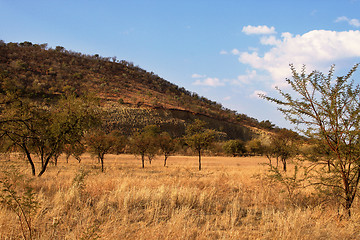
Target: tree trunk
199	160
28	155
269	158
284	164
102	164
143	160
165	160
44	166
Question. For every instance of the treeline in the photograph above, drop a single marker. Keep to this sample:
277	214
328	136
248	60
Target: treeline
41	72
73	125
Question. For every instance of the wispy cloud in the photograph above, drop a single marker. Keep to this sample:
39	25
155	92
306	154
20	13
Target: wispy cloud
249	30
246	78
196	75
353	22
235	51
223	52
227	98
210	82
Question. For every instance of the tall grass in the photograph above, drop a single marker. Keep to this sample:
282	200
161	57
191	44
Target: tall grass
230	199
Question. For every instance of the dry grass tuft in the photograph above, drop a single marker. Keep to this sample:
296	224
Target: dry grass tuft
230	199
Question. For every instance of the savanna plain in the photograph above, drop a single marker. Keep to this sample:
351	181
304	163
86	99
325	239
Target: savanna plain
230	198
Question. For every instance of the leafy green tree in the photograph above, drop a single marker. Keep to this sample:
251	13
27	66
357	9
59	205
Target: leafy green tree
199	138
328	109
234	147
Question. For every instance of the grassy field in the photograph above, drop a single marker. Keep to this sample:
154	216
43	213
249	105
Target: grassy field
231	198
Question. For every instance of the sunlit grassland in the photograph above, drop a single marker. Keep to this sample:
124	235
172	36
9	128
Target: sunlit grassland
231	198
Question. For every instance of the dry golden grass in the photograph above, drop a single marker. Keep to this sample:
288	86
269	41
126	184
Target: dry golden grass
229	199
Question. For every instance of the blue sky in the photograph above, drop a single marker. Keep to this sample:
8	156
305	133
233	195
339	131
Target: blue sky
225	50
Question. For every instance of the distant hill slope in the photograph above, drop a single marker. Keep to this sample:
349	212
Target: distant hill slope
132	96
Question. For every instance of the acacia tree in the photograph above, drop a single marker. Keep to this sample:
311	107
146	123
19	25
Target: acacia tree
144	143
199	138
282	147
100	144
43	129
166	144
76	150
328	109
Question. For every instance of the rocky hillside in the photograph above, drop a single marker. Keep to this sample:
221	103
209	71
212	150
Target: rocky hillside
132	96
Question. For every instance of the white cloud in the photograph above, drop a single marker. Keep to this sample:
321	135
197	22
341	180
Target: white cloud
256	94
353	22
195	75
211	82
223	52
270	40
235	51
245	79
248	30
316	49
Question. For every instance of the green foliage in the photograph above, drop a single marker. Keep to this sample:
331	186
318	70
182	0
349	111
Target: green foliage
37	128
255	147
328	110
234	148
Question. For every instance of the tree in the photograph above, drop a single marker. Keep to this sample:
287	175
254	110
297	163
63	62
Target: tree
75	149
120	142
254	147
167	145
99	144
282	147
199	138
267	125
144	143
36	128
234	147
328	110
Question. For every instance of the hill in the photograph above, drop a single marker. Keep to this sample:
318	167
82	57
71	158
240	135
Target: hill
132	96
